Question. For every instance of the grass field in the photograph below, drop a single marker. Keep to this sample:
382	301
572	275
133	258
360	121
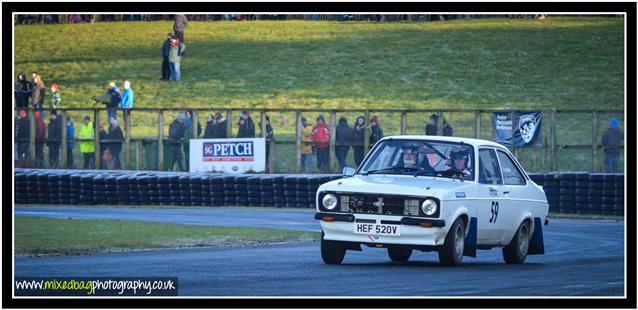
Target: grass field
38	235
477	64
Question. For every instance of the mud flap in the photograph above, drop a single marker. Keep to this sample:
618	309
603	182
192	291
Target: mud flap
470	239
536	244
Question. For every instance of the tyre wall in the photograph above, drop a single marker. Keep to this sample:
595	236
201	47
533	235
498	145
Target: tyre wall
567	192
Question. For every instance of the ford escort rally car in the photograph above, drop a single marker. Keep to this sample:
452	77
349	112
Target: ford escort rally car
428	193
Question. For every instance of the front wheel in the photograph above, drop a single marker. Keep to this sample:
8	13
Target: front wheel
331	252
516	251
451	253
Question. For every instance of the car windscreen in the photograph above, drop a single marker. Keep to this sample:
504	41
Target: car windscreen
421	157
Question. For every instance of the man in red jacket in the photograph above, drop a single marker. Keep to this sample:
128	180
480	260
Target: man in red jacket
321	140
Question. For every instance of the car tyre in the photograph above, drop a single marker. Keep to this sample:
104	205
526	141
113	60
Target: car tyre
516	251
399	255
331	252
451	253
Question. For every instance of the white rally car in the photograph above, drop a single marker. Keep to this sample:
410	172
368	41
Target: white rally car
429	193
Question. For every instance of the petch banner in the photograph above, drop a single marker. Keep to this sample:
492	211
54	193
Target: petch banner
516	129
239	155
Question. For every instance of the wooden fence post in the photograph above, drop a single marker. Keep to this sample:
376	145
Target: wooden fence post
553	137
229	123
63	119
594	142
31	136
298	141
160	140
138	151
477	124
127	138
404	123
366	135
96	130
333	135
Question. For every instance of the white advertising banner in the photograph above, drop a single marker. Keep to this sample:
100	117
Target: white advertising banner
239	155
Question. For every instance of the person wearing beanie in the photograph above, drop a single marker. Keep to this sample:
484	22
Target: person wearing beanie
321	140
166	47
376	133
175	135
612	142
306	146
359	130
116	134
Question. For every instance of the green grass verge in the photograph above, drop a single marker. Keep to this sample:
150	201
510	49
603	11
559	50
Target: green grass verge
46	236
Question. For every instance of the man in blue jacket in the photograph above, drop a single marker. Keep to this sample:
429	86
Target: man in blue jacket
127	102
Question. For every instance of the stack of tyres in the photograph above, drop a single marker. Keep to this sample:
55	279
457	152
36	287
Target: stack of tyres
195	185
153	191
64	187
32	187
205	190
229	190
53	179
619	194
609	193
133	188
253	191
595	193
302	191
313	186
42	179
551	188
75	184
216	189
21	189
537	178
290	191
278	191
241	190
86	188
110	186
184	190
581	188
99	187
163	189
174	189
267	191
122	189
566	191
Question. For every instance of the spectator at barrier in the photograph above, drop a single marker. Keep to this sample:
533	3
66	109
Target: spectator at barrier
128	98
22	91
87	144
40	138
70	135
22	137
54	134
270	136
612	140
209	131
344	138
175	135
166	47
321	140
188	134
306	145
178	26
54	103
221	127
431	127
175	53
105	152
359	130
39	91
376	132
111	98
246	125
447	128
115	133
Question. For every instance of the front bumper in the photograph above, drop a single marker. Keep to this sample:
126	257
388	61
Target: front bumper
414	231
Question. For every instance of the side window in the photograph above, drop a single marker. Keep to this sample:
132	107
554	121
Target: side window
511	174
489	171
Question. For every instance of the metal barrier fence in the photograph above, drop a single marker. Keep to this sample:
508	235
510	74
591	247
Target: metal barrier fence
571	138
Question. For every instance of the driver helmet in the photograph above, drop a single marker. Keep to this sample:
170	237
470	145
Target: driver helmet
459	159
410	155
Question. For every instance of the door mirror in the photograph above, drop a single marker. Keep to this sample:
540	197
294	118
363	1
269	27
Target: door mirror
348	172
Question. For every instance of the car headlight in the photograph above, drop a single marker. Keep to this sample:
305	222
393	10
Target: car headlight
429	207
329	201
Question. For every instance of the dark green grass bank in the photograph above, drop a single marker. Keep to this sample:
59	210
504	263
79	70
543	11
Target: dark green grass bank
500	63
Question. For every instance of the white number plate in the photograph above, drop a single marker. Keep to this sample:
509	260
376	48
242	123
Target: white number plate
377	229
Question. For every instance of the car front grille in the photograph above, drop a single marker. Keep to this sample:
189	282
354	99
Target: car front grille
372	204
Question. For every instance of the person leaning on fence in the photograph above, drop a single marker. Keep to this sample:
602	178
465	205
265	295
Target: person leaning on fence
376	133
22	91
612	141
40	138
70	135
270	136
128	98
111	98
344	138
246	125
209	131
175	135
188	134
221	126
431	126
39	91
306	145
321	140
87	142
166	47
359	135
22	132
447	129
105	152
54	138
115	134
55	100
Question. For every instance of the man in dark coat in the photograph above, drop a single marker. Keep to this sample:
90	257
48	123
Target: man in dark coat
115	133
166	47
22	91
612	140
40	138
103	146
221	127
270	136
447	129
209	131
54	133
376	133
359	140
430	128
175	135
344	138
246	126
22	136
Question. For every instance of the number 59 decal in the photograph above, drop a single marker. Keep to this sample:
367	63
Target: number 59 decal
494	211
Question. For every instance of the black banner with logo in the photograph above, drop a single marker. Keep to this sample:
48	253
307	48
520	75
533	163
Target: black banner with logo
516	129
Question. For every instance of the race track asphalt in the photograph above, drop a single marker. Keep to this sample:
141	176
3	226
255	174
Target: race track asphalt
583	258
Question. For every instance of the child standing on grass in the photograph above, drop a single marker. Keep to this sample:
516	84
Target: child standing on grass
55	96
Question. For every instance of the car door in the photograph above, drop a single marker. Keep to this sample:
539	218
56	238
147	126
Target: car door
513	201
490	191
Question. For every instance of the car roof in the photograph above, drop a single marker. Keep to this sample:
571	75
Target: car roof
473	142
